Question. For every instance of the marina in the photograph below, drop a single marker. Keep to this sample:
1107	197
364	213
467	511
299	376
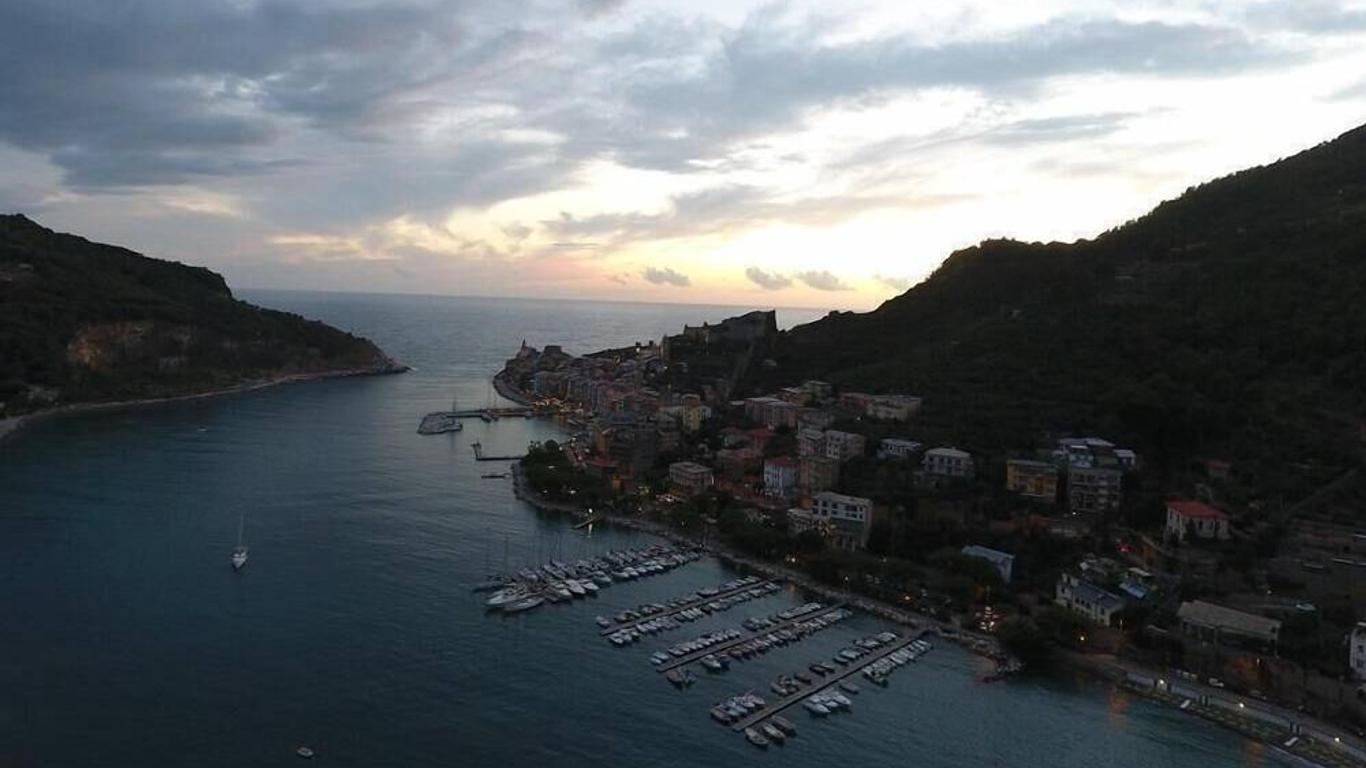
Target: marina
693	606
740	639
557	582
820	686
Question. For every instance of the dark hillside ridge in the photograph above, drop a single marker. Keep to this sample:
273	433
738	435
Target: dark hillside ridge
83	322
1229	322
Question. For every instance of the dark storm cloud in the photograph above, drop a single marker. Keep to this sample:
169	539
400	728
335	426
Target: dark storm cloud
121	94
666	276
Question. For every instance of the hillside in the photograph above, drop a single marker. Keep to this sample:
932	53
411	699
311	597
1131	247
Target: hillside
86	322
1230	322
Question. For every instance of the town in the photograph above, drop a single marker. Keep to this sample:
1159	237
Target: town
1066	547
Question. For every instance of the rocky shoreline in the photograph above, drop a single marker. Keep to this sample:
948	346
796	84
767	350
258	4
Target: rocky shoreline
10	426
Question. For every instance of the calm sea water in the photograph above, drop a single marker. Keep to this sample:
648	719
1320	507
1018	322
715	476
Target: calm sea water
127	640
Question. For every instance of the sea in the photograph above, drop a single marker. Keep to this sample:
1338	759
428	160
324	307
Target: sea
126	639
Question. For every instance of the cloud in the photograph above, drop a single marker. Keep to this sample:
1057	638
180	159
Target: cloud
823	280
769	281
899	284
665	276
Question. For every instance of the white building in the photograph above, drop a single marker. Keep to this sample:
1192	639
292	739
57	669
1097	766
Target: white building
948	462
850	517
1087	599
892	407
843	446
1196	518
780	476
897	448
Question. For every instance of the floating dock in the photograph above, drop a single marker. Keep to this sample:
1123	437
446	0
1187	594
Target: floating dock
479	455
826	682
727	645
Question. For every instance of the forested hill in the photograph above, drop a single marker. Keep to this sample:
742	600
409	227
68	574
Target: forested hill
86	322
1228	323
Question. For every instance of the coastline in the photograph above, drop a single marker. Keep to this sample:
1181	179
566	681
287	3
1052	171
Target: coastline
1315	737
11	426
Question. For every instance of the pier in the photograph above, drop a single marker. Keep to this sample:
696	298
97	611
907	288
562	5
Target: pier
681	608
825	682
479	455
682	661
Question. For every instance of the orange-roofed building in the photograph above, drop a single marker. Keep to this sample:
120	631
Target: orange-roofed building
1186	518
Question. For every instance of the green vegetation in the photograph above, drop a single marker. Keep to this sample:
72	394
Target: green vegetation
85	322
1227	323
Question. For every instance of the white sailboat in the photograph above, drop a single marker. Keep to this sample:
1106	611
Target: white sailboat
239	552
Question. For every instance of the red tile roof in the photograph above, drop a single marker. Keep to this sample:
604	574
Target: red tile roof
1196	509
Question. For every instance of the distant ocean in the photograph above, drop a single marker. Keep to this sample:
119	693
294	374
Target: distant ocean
127	640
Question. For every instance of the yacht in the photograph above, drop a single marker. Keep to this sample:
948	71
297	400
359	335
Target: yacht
774	735
239	552
505	596
756	738
525	604
784	725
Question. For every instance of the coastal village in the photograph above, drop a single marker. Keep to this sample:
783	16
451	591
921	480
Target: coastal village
1034	545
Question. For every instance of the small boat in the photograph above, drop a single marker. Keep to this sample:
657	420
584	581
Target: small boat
676	677
848	687
784	725
815	707
305	753
239	552
773	734
603	622
505	597
756	738
525	604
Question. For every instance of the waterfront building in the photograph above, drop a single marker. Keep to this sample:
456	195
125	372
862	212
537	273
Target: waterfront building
897	448
1087	599
1003	562
1194	518
1032	479
948	462
817	473
1093	490
1210	623
800	521
690	478
780	476
849	517
843	446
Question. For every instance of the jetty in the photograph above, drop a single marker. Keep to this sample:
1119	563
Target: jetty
673	610
821	684
687	659
439	423
479	455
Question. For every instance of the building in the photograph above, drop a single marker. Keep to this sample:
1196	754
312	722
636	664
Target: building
810	442
1092	490
1357	650
1087	599
1094	452
1004	562
1207	622
897	448
800	521
843	446
780	476
1195	518
818	390
772	412
817	473
948	462
892	407
849	517
690	478
1032	479
735	463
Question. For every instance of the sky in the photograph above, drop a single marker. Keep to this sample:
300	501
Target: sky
797	154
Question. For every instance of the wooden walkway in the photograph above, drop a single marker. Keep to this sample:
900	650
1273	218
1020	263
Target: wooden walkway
719	647
828	681
675	611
